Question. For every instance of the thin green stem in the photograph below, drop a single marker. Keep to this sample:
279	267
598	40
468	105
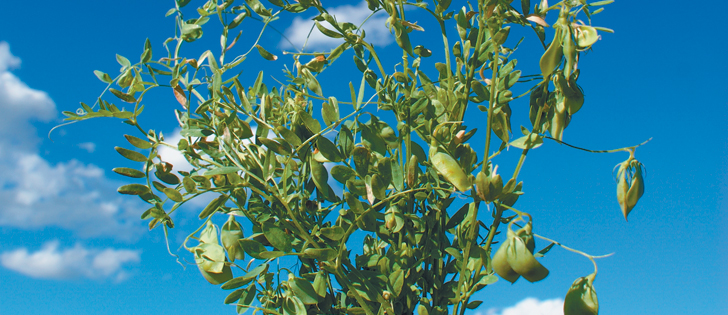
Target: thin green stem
600	151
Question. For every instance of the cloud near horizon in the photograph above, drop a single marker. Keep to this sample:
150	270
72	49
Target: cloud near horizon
529	306
50	262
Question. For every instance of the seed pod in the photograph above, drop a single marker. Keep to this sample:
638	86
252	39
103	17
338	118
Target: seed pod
500	262
569	50
230	234
637	187
412	171
586	36
451	170
552	57
629	194
575	99
622	189
522	260
582	298
481	185
495	185
559	121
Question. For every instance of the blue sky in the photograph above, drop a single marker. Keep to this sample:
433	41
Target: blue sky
72	245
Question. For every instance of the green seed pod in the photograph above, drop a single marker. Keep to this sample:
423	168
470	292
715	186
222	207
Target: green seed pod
575	99
586	36
622	189
230	234
552	57
569	50
451	170
412	171
481	185
210	259
495	185
523	262
637	187
559	121
500	262
582	298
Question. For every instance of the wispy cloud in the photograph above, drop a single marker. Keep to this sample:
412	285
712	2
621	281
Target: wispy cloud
37	193
375	28
90	147
529	306
51	262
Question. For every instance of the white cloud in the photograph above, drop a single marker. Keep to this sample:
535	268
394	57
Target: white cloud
7	60
173	156
530	306
36	193
68	195
50	262
377	32
90	147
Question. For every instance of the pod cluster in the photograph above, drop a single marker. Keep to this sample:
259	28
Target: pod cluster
515	257
630	184
581	298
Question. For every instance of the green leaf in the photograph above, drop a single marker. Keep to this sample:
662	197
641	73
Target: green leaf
345	141
303	290
528	141
473	305
457	218
361	158
129	172
379	188
213	206
247	298
265	54
173	194
147	54
123	96
327	32
139	143
123	61
311	123
328	149
342	173
330	111
274	146
319	284
133	189
103	76
334	233
235	295
396	279
166	177
222	170
289	136
258	7
253	248
543	252
238	282
322	254
272	254
277	237
132	155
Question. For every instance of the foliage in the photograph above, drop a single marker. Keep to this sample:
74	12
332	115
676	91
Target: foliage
267	155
